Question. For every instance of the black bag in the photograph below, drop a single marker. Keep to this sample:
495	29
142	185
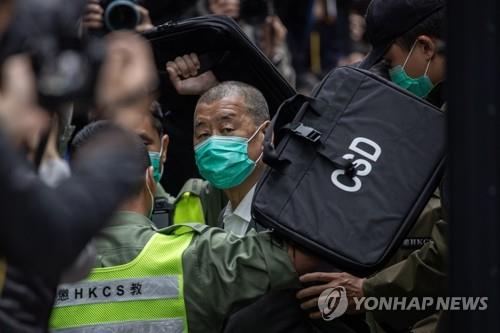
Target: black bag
352	169
222	47
226	50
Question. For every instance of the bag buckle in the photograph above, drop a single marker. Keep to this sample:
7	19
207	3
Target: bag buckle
307	132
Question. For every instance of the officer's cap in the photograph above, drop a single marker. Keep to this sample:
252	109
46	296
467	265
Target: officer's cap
387	20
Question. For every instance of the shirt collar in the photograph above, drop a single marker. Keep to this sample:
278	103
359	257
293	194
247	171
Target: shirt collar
244	209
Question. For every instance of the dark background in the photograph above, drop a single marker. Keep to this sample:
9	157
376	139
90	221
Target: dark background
474	127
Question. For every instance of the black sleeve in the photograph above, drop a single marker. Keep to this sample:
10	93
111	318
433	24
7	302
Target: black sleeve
44	229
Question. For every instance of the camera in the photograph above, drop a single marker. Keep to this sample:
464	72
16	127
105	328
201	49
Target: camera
66	70
66	67
120	14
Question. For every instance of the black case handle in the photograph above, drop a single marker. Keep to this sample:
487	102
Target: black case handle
286	118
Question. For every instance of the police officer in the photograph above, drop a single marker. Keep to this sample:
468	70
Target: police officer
407	35
197	201
183	278
148	126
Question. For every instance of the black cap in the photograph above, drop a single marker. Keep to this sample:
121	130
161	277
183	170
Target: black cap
387	20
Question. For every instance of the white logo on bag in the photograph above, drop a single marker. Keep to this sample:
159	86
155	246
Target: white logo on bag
363	166
333	303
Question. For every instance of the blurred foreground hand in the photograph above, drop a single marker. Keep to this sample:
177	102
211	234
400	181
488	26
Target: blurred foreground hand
21	118
128	73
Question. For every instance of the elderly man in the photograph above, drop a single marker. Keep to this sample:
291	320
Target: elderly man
229	125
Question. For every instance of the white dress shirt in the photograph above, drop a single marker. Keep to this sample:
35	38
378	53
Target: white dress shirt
238	220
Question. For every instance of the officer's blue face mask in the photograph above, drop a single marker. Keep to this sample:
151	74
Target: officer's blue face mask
224	161
420	86
155	158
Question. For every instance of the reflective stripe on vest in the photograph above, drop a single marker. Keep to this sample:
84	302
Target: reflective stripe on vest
142	293
157	326
188	209
119	290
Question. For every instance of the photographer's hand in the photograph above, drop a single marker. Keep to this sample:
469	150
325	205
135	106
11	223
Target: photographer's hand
274	36
146	23
93	17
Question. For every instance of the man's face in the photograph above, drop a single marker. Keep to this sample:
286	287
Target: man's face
230	8
227	117
424	53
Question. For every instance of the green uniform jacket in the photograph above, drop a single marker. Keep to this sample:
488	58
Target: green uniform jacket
212	199
221	271
418	273
161	193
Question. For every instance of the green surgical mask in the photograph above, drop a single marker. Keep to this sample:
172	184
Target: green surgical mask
420	86
224	161
155	158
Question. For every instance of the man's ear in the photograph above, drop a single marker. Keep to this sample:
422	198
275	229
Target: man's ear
150	180
428	45
264	128
268	123
165	140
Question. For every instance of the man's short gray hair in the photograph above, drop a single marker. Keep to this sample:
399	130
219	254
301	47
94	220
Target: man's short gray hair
254	100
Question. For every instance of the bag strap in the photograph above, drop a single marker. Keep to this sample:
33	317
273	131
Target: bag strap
303	131
293	108
270	156
348	167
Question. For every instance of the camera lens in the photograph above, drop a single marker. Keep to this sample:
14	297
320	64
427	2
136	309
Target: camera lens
120	15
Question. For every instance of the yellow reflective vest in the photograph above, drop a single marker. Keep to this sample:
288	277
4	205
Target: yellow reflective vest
141	296
188	207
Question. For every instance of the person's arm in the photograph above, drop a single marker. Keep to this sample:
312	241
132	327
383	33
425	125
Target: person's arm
185	77
422	274
223	271
275	47
44	229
